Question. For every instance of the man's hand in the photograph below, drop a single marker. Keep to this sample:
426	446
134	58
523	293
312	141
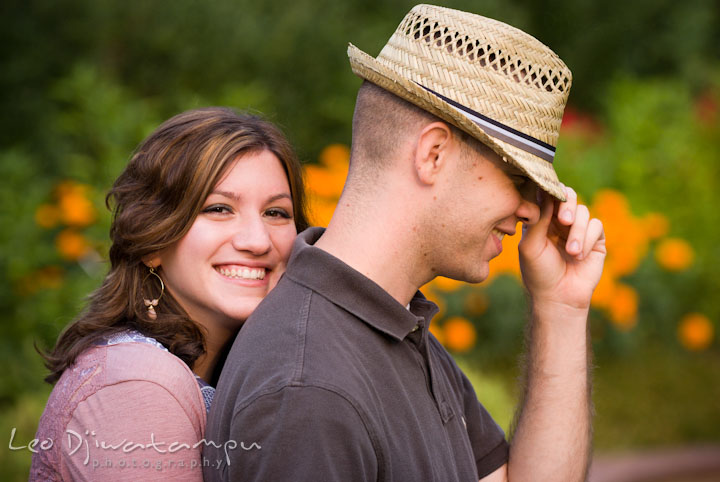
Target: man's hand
561	259
562	255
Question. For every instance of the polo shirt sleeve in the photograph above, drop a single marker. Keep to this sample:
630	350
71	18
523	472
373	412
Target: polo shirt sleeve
486	437
305	433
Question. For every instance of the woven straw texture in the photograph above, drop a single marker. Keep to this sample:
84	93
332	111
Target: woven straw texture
486	65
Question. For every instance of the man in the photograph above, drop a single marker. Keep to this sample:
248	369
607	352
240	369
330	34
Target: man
335	376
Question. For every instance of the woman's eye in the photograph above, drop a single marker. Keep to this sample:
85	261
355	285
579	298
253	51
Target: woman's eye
278	213
217	209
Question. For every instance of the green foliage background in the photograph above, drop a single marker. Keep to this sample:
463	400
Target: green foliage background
84	81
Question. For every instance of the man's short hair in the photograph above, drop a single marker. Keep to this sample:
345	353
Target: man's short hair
380	122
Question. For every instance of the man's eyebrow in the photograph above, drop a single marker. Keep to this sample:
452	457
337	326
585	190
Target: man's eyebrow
236	196
511	170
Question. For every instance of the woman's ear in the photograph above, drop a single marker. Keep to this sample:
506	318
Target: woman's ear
434	143
152	260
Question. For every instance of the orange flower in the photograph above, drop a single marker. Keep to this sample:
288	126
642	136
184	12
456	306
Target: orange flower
623	307
476	302
65	187
71	245
47	216
604	292
674	254
325	182
335	156
507	262
321	212
460	334
446	284
75	208
656	225
610	204
695	331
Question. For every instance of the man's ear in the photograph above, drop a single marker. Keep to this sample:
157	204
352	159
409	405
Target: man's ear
431	156
152	260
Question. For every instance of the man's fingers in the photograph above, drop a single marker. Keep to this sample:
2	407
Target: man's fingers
540	229
595	233
567	210
576	237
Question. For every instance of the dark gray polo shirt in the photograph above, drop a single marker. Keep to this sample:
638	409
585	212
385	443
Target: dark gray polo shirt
334	380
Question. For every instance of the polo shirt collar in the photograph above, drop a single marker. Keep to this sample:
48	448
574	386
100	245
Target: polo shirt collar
327	275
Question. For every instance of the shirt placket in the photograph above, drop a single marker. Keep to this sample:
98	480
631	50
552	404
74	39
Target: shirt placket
418	338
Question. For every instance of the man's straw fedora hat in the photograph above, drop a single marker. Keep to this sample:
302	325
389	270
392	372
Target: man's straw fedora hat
493	81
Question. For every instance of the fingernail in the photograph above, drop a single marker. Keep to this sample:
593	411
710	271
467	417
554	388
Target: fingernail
567	216
574	246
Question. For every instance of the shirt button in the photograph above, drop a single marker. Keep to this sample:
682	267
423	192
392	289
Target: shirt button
415	328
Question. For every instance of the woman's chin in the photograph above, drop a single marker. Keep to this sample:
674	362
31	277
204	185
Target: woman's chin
241	310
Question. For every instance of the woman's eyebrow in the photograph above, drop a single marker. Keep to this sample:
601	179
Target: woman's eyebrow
283	195
236	197
227	194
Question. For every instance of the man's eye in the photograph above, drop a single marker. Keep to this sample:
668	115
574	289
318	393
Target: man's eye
521	180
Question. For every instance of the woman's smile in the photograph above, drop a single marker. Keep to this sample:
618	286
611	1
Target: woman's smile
241	272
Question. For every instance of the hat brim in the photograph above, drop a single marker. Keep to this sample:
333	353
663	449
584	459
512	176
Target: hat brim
537	169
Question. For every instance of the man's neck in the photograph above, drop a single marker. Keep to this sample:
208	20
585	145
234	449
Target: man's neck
376	244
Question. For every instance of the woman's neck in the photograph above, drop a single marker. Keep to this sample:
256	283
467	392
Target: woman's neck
216	348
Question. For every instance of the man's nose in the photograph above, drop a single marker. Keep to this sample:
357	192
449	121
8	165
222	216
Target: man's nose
528	211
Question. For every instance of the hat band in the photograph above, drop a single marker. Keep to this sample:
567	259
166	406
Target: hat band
500	131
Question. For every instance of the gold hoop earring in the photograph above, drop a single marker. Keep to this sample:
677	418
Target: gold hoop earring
152	303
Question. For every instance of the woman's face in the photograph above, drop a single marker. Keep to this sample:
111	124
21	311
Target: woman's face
237	247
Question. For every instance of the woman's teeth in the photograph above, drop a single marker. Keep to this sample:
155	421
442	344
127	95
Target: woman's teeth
499	234
242	273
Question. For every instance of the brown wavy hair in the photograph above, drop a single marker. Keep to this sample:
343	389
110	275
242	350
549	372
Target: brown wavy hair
155	202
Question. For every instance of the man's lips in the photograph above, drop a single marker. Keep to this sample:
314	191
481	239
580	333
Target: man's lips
498	234
497	238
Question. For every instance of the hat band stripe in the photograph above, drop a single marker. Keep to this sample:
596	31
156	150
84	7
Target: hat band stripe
501	131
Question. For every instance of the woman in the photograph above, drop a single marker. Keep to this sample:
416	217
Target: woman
204	218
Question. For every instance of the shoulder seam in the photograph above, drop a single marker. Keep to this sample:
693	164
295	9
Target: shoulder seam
177	366
301	334
154	350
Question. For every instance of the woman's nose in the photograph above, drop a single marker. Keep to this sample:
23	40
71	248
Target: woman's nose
252	235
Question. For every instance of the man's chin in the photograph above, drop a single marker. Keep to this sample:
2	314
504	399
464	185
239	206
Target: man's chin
474	277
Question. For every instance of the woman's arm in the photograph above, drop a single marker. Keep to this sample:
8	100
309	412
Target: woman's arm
133	430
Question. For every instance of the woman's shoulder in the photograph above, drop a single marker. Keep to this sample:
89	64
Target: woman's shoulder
122	388
139	371
127	361
125	357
